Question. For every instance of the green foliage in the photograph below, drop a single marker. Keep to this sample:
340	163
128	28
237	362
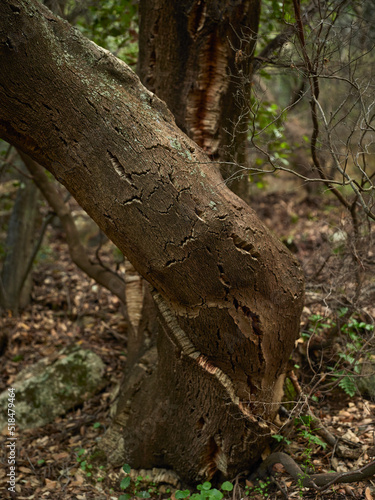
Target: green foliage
317	323
355	331
347	364
125	483
312	439
182	494
268	132
261	488
85	462
347	384
113	24
18	357
205	490
126	468
133	487
227	486
281	439
303	424
274	15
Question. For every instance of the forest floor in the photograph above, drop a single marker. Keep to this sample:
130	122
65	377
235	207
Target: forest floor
68	308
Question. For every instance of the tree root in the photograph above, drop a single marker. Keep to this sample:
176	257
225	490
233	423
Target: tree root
317	481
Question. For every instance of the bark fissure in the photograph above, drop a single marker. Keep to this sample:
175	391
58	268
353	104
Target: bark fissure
188	349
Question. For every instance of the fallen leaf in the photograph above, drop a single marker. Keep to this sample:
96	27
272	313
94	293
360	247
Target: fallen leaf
60	456
50	484
278	468
368	494
25	469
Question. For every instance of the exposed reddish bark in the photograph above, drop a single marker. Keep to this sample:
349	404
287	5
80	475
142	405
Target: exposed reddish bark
196	55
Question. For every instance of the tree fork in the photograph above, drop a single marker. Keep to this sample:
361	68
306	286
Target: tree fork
229	294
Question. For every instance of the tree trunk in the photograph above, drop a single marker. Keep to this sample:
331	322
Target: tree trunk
228	293
19	246
203	50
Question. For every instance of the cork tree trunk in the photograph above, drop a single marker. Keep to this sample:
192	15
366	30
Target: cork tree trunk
197	56
228	294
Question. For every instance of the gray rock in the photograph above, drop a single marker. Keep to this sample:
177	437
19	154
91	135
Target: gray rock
45	391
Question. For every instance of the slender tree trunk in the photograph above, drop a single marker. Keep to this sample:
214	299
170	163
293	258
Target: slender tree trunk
19	245
228	293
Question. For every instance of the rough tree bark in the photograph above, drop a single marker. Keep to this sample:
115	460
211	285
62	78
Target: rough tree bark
229	295
203	49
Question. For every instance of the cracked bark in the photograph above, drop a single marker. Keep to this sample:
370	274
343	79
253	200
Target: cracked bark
201	400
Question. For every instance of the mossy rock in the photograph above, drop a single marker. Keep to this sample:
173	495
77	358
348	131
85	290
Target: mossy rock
47	390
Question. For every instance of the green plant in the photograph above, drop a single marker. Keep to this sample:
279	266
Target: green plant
86	466
127	484
303	424
206	492
317	324
305	431
261	488
354	333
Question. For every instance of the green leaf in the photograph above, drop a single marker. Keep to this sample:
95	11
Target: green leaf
125	483
182	494
348	386
227	486
305	419
278	438
214	494
126	496
206	486
143	494
318	441
126	468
